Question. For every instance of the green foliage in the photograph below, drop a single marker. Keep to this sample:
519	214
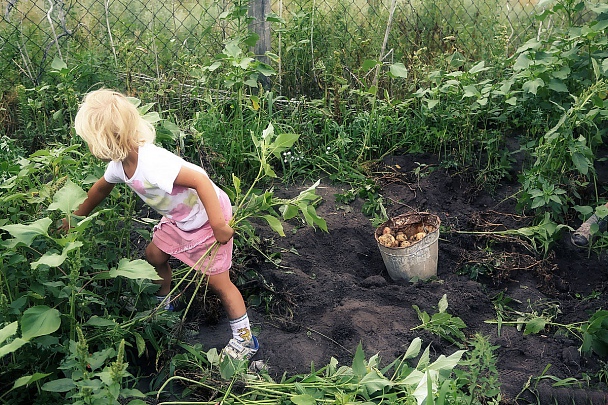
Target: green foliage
362	381
442	323
52	284
594	333
566	74
91	378
542	315
478	372
252	204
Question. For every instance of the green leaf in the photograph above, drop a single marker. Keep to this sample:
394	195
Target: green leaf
39	321
237	184
12	346
5	333
54	259
289	211
456	59
532	86
425	358
369	64
140	343
425	385
522	62
443	303
266	70
8	331
268	170
283	142
303	399
60	385
275	224
28	379
398	70
232	49
601	211
480	67
68	198
471	91
359	367
413	349
444	363
152	117
374	381
581	163
26	233
98	321
431	103
134	269
58	64
535	325
558	86
316	220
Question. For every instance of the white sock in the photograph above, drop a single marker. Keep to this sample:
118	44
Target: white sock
166	298
241	330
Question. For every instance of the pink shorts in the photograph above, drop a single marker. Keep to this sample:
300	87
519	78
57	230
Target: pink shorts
190	246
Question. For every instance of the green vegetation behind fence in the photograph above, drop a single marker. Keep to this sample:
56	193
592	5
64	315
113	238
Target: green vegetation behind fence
314	38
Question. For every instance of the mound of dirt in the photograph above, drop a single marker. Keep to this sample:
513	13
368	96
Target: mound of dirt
340	294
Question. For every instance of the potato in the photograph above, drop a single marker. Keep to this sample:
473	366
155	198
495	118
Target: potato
419	236
387	240
401	237
387	231
405	243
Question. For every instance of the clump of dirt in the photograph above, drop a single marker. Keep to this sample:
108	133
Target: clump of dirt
340	294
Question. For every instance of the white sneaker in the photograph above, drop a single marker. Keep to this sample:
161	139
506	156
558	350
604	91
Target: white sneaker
241	350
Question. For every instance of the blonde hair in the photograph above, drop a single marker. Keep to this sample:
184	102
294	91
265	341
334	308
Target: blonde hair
111	125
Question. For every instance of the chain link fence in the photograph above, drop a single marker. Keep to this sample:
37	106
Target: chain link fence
314	39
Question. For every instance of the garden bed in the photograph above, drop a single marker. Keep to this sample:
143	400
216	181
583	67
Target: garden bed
338	292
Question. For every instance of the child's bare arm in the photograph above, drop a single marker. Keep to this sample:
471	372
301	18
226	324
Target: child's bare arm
193	179
97	193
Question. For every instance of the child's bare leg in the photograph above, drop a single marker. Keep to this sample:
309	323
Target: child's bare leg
229	294
243	344
160	261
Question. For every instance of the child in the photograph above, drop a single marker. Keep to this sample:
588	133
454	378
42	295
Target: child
195	211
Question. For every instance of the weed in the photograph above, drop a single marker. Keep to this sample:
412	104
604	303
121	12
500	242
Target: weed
478	370
442	323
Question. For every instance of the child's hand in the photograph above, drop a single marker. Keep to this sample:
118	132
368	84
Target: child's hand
63	225
223	234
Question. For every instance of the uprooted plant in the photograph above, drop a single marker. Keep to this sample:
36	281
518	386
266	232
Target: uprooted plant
541	317
541	236
364	381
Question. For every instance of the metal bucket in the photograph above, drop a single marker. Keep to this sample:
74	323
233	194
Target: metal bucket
418	260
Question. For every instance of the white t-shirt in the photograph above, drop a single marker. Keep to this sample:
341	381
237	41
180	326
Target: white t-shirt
153	181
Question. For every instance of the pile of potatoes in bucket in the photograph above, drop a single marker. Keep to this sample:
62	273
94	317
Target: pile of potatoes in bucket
404	235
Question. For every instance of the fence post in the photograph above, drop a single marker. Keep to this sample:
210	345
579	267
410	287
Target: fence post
258	10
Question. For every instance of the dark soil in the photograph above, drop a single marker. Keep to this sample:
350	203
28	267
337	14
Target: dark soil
333	290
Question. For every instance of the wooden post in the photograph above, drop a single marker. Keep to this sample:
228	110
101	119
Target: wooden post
258	9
